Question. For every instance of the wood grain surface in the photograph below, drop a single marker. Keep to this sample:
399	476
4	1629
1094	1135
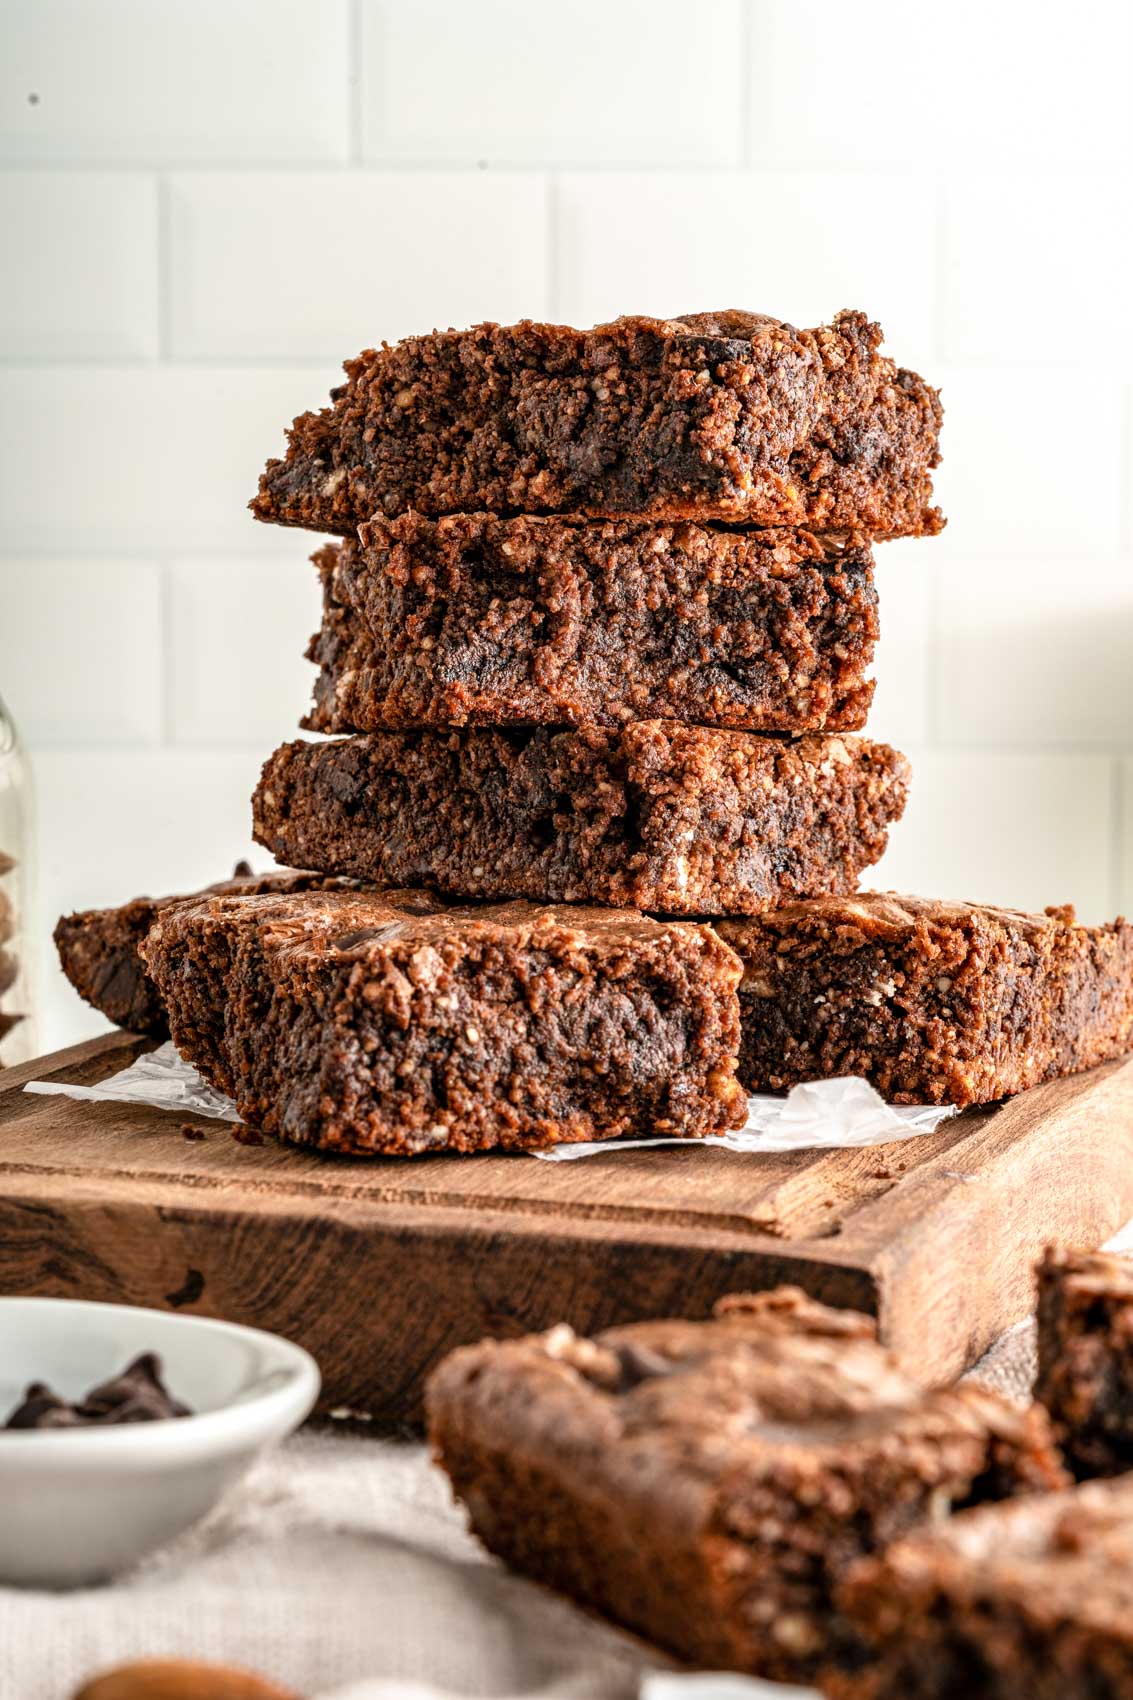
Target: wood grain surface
380	1266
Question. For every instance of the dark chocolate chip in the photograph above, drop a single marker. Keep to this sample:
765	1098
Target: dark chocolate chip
138	1395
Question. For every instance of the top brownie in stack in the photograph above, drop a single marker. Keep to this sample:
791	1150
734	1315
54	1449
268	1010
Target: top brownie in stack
728	416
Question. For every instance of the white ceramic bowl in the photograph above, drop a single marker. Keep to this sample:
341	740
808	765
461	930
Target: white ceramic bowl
78	1504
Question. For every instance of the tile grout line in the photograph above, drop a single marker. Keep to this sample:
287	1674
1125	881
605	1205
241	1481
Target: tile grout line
1117	831
165	619
354	79
553	200
164	270
747	47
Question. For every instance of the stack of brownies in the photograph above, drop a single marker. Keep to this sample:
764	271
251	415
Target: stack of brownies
596	647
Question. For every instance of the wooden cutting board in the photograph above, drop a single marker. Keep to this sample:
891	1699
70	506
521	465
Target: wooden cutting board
380	1267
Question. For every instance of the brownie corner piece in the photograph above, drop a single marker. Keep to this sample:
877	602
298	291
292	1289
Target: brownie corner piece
1031	1600
394	1023
100	949
658	816
729	416
1085	1357
99	953
707	1484
914	993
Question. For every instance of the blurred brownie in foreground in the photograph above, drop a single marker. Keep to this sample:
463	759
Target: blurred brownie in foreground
1028	1601
1085	1378
390	1022
478	620
933	1002
100	949
678	820
729	416
707	1484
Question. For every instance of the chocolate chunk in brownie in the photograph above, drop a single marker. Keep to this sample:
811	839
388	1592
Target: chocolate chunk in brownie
99	948
729	416
707	1484
390	1022
933	1002
658	816
1027	1601
483	621
1085	1379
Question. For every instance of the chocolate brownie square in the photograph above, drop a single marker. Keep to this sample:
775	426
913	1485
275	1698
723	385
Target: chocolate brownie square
678	820
1028	1601
474	620
933	1002
1085	1376
715	416
708	1484
100	949
393	1023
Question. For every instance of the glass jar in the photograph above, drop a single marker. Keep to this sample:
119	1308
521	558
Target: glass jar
17	865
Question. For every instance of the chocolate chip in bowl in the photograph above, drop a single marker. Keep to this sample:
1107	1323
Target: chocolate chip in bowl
100	1463
138	1395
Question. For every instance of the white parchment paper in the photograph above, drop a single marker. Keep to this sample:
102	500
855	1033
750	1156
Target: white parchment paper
823	1113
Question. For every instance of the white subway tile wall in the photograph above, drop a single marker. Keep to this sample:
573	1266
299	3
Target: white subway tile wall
317	265
210	203
81	279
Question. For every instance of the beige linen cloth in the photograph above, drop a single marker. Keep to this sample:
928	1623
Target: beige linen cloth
341	1568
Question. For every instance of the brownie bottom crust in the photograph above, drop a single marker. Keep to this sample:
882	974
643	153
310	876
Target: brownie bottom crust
392	1023
100	949
933	1002
474	620
677	820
